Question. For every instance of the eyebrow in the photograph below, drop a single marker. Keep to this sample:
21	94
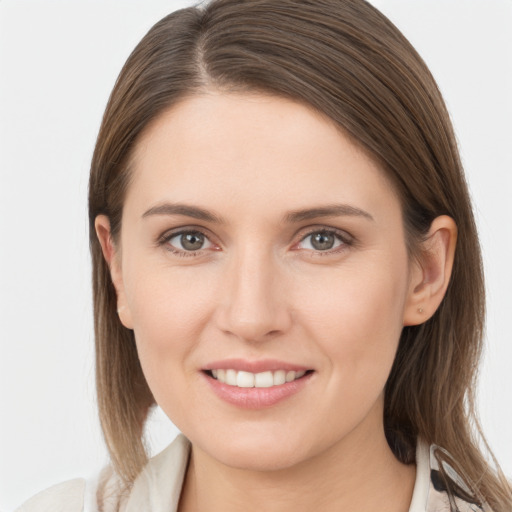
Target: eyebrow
292	217
331	210
185	209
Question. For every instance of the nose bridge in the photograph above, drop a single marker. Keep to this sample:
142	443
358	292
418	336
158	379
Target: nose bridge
254	307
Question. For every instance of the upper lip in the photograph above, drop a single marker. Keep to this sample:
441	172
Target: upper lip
263	365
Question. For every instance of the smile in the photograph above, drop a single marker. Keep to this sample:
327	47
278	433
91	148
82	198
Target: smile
267	379
256	384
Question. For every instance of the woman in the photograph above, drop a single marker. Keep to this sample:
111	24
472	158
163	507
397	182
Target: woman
282	237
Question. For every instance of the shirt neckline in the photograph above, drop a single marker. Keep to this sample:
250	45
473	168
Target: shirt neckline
158	487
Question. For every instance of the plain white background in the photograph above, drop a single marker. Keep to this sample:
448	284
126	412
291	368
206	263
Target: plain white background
58	63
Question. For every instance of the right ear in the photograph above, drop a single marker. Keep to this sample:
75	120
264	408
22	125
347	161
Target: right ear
113	258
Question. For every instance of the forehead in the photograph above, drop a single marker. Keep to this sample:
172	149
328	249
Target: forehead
253	149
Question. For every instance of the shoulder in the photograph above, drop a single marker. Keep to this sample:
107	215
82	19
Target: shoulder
103	492
64	497
157	488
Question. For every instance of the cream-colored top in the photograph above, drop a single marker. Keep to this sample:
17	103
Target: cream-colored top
158	487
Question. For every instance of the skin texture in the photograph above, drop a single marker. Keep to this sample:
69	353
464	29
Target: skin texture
259	289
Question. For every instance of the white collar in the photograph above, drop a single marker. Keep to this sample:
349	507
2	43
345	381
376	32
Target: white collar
158	487
420	493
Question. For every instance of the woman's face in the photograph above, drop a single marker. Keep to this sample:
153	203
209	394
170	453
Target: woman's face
258	239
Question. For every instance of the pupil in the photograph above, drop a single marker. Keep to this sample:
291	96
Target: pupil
323	241
192	241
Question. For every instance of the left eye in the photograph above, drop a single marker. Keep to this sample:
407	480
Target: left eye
322	240
189	241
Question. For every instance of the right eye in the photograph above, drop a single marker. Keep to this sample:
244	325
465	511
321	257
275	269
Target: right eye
187	243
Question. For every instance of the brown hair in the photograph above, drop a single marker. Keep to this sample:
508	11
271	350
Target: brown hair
346	60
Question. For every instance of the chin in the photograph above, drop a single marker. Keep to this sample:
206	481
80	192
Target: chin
260	459
257	452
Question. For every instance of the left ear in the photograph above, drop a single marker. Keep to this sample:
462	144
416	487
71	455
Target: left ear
430	274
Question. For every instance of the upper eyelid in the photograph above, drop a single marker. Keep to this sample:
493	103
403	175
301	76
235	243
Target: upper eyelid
341	233
170	233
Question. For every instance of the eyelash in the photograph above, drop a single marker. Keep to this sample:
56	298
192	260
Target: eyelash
342	236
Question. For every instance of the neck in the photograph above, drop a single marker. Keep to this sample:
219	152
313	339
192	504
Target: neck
358	473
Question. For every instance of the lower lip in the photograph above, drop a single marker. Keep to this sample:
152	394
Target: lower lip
256	398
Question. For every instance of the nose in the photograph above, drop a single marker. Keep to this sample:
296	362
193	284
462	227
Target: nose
252	303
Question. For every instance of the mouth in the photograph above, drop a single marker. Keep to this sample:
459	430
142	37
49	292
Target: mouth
266	379
256	384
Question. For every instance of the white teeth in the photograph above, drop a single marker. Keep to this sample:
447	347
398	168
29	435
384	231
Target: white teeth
267	379
231	377
279	377
245	380
263	380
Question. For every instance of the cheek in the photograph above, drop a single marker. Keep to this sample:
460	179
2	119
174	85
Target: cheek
169	310
356	316
168	318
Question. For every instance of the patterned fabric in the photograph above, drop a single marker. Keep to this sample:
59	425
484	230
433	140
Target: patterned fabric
448	492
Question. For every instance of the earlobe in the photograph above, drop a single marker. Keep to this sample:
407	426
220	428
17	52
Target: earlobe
430	276
112	257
